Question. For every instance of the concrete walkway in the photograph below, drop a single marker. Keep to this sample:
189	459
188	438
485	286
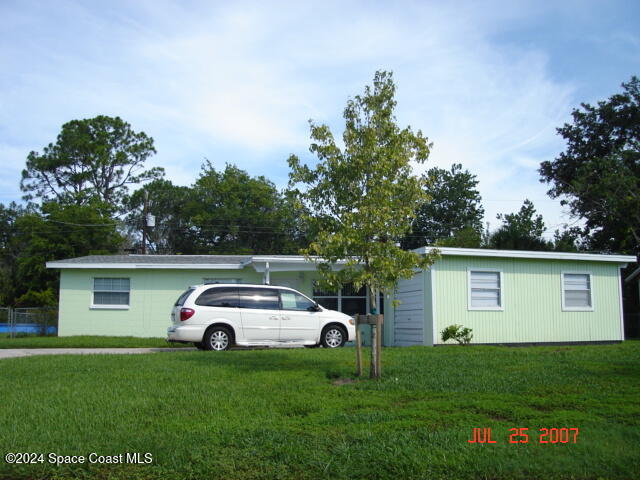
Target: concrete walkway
27	352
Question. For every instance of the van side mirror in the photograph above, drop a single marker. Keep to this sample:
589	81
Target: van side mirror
315	308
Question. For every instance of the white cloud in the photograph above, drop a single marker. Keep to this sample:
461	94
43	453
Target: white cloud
237	82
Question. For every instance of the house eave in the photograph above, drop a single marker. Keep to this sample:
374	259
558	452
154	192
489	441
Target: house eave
478	252
147	266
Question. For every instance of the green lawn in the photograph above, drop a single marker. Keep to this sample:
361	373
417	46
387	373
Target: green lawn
283	414
32	341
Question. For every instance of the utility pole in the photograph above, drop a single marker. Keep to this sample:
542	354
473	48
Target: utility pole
144	222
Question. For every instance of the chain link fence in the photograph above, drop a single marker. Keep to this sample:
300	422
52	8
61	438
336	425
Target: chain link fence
18	322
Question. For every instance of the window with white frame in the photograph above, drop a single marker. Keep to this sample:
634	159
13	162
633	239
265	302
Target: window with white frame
485	290
576	291
111	291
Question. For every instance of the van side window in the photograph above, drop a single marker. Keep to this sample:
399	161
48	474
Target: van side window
219	297
263	298
295	301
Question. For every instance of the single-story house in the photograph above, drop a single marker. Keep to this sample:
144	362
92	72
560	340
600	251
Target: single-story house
506	297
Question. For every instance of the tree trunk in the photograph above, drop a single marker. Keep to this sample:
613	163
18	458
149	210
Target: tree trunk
358	347
375	335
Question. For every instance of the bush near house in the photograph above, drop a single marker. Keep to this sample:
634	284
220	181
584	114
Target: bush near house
297	414
460	334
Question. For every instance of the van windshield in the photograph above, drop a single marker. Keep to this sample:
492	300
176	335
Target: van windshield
183	298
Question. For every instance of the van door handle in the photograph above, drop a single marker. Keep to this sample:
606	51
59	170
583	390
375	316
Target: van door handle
284	317
273	317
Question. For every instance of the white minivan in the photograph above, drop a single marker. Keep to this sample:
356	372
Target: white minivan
218	316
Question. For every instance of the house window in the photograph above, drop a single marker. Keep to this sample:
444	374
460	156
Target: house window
576	291
111	292
346	300
485	290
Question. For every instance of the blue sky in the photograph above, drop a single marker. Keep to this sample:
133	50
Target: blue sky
487	82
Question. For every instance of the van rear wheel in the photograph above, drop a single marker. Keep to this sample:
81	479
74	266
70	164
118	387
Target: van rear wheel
218	339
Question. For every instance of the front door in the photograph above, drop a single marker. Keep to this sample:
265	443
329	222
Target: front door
299	323
260	312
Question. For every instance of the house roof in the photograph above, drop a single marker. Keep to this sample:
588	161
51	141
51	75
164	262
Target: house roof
162	259
482	252
259	262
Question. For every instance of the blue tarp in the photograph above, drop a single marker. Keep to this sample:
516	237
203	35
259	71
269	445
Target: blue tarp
28	328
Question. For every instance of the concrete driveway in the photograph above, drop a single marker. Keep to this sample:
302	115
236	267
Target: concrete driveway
27	352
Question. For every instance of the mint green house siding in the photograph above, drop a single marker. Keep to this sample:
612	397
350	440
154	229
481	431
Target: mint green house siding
532	301
152	295
517	297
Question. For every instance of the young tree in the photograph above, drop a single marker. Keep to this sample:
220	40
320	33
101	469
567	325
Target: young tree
520	231
363	196
92	159
453	215
599	172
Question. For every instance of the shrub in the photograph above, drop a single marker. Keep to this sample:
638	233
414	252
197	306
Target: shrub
460	334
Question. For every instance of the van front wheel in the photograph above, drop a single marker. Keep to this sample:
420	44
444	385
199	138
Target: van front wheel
333	336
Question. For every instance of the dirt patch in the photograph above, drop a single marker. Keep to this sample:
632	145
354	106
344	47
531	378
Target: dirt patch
343	381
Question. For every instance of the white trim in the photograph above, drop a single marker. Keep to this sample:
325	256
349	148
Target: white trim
135	266
109	307
481	252
590	308
434	330
491	309
620	301
258	261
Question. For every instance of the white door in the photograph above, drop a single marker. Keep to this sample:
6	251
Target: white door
299	323
260	313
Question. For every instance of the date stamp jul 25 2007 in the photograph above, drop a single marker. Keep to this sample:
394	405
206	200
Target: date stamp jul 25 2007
520	435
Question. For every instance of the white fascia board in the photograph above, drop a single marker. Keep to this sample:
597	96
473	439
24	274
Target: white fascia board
480	252
291	259
147	266
289	264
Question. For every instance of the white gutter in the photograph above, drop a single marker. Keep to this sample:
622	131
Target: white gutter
480	252
145	266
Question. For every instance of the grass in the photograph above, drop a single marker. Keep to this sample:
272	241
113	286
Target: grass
293	414
31	341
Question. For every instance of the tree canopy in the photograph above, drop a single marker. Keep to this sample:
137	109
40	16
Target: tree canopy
452	215
520	231
33	237
233	212
224	211
598	174
361	198
92	160
169	204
